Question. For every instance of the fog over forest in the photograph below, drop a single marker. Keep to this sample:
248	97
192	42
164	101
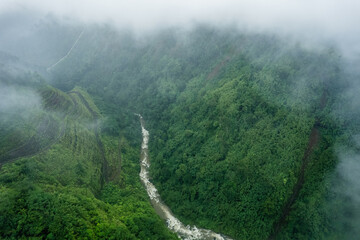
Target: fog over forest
333	20
312	43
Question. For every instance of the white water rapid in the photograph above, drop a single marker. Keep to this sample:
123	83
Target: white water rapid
174	224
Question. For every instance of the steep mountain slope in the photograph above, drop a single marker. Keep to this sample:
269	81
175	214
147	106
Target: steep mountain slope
242	125
56	173
244	131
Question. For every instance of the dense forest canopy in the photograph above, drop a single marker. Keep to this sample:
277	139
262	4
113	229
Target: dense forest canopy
252	135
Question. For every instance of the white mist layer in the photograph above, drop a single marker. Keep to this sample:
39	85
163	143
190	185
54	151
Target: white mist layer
174	224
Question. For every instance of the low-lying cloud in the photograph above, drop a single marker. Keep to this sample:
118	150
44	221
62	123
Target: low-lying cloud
325	20
15	100
316	22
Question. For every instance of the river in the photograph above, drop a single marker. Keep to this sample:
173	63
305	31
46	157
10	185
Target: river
174	224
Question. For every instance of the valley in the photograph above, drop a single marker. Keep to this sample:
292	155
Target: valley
243	132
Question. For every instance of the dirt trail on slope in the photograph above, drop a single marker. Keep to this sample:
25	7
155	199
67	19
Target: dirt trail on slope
312	143
67	54
218	67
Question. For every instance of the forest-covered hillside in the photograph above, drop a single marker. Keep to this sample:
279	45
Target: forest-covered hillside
240	124
245	131
60	177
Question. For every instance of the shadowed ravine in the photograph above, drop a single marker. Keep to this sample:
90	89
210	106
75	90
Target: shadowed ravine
174	224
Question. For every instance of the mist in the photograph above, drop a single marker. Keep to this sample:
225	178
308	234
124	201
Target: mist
17	103
12	99
316	24
316	21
